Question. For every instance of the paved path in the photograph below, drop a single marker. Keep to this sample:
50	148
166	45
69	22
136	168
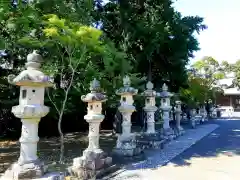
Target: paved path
215	157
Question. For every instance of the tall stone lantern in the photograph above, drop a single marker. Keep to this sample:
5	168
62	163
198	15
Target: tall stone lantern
211	108
150	139
178	111
202	112
193	118
150	107
93	159
30	110
126	142
166	107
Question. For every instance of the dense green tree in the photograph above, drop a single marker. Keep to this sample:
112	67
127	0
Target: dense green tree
197	91
210	69
135	34
235	68
148	32
152	32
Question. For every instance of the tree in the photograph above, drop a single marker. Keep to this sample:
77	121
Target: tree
148	32
13	25
235	68
73	53
209	69
134	35
197	92
152	33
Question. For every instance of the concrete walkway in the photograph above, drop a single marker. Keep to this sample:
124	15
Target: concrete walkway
215	157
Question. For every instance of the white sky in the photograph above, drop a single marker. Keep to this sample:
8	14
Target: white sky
222	38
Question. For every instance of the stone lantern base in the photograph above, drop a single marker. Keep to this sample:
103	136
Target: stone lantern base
193	121
206	116
127	146
168	134
90	164
198	119
31	170
202	118
179	131
151	140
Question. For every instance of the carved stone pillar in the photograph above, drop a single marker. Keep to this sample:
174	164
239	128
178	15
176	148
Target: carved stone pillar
178	112
93	159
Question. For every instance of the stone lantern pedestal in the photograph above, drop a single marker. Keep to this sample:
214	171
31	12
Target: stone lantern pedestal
166	108
211	112
214	113
184	117
150	139
178	112
193	118
203	114
198	118
94	159
126	142
30	110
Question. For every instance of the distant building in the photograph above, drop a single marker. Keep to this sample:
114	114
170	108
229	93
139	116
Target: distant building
231	93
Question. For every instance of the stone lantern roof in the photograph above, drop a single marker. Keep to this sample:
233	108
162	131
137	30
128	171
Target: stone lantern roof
95	94
32	76
126	89
149	92
165	93
178	102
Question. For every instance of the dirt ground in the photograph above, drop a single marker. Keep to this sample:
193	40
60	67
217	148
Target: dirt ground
49	149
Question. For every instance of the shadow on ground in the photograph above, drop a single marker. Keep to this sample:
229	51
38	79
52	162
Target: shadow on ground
223	141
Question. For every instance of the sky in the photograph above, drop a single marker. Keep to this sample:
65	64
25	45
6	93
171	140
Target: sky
222	38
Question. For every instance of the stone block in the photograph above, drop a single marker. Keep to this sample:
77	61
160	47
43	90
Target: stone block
128	152
153	141
178	131
31	170
89	164
108	161
94	154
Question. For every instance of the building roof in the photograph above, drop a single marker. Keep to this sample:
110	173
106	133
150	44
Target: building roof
231	91
226	81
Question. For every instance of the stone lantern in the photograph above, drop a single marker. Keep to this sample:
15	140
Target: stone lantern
30	110
126	142
193	118
178	111
203	113
93	159
166	107
150	139
214	112
150	107
211	108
